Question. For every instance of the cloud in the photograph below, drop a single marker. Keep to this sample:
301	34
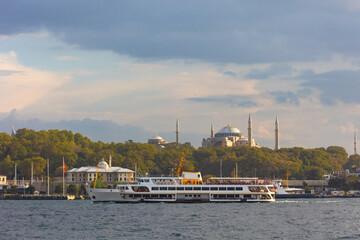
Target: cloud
232	100
21	86
272	70
224	32
8	72
288	98
339	85
229	73
66	58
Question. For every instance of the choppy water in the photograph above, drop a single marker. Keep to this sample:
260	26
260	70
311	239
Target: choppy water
295	219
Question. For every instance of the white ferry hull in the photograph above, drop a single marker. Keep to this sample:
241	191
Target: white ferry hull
114	195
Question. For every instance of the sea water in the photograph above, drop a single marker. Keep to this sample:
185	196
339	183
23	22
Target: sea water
82	219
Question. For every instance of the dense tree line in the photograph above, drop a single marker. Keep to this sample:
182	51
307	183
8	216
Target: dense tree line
29	146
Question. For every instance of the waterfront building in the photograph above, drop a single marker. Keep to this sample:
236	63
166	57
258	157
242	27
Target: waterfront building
110	174
3	183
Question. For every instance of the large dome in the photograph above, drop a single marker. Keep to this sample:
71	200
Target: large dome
228	131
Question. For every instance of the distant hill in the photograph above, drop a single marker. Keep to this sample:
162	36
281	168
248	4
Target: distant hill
96	130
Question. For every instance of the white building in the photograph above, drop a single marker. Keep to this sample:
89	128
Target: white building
109	174
227	136
3	183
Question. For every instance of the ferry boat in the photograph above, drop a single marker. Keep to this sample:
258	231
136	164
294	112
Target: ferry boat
187	188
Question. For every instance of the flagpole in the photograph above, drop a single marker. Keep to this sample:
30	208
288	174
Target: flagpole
48	182
63	177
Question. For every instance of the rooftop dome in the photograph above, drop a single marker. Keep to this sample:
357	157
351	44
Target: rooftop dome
103	164
156	137
228	131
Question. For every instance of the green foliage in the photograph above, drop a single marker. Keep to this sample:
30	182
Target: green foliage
72	189
349	183
99	182
82	190
59	188
37	146
7	166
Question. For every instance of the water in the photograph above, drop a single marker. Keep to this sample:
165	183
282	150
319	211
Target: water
285	219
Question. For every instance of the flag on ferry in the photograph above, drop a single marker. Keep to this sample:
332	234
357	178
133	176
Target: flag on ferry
64	165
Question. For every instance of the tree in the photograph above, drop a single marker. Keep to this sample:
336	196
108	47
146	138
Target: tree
72	189
7	166
59	188
99	182
82	190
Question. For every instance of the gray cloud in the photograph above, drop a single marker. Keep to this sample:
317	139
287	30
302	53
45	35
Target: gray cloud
232	100
273	70
229	73
288	98
341	85
8	72
213	31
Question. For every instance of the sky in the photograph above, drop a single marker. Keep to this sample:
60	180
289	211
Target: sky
143	64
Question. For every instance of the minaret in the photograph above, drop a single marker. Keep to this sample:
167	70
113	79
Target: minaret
110	160
355	144
13	132
277	146
177	131
212	131
250	132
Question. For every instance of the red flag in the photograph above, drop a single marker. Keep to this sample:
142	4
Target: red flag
64	165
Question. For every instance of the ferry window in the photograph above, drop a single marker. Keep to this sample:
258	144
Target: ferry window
205	188
154	188
163	188
236	196
231	196
239	188
126	188
146	180
169	196
171	188
197	188
222	188
230	189
180	188
213	188
198	175
186	195
188	188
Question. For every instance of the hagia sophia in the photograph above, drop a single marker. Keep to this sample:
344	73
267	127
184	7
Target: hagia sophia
227	136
